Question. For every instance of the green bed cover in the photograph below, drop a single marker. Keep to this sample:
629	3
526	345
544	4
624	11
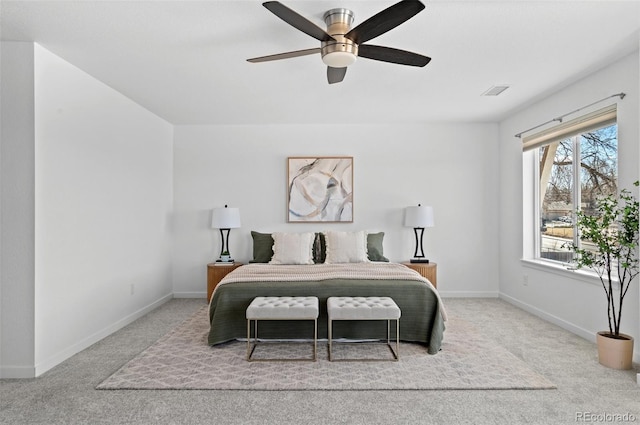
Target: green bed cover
421	319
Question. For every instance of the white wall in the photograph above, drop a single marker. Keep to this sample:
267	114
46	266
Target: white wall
576	304
103	196
17	248
103	205
453	167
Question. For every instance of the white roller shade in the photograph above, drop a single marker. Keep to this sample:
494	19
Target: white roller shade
597	119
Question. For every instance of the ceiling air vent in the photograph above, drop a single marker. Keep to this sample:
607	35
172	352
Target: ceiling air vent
495	90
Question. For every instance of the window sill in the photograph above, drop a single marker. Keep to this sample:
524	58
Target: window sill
563	269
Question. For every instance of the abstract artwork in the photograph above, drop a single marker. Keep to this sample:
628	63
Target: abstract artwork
320	189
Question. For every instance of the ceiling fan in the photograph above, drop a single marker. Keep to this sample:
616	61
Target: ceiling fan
341	45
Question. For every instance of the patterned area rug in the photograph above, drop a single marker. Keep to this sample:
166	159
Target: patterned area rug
183	360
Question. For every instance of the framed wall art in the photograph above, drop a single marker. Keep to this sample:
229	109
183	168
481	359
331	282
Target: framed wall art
320	189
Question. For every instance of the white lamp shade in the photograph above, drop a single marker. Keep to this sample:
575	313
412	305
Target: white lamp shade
418	216
225	218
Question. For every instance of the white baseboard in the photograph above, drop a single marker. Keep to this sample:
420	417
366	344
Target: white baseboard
21	372
17	372
469	294
584	333
190	295
63	355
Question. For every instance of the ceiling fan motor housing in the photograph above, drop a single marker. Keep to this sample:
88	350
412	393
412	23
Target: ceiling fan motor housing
342	52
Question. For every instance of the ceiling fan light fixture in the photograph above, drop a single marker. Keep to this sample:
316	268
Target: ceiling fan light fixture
339	59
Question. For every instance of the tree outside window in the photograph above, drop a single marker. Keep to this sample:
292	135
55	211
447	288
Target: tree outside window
565	184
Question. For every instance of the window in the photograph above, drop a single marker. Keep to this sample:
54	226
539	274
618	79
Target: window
563	184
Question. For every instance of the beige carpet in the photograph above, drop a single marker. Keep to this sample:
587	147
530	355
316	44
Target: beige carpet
183	360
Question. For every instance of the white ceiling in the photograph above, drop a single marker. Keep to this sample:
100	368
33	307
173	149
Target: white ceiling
186	60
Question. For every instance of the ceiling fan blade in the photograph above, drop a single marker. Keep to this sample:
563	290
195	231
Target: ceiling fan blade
335	75
297	21
388	54
286	55
384	21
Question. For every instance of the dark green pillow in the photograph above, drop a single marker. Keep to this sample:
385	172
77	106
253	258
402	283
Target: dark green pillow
262	247
374	247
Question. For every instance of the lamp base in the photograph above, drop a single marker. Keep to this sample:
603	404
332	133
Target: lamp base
419	260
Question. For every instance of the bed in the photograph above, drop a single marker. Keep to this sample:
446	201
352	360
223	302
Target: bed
423	315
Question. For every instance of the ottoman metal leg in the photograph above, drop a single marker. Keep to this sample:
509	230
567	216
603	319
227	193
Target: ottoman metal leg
282	308
364	308
315	340
396	353
330	330
252	347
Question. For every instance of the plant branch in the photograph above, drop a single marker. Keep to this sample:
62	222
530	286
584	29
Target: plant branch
613	231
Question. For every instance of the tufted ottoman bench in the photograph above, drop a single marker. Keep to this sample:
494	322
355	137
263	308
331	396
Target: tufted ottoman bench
281	308
364	308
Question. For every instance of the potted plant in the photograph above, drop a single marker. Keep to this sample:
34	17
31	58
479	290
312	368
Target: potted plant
610	248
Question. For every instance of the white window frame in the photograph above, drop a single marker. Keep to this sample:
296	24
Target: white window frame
576	198
531	181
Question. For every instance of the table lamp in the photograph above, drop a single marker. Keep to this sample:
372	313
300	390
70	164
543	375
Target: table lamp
225	219
418	217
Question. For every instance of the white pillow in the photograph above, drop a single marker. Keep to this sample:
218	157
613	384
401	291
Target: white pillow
292	248
346	247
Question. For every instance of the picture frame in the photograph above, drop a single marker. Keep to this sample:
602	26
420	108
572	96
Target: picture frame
320	189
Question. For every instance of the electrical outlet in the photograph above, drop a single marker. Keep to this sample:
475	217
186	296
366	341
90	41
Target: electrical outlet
133	288
525	280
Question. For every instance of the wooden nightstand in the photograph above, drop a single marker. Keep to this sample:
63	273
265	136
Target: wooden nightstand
427	270
215	273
